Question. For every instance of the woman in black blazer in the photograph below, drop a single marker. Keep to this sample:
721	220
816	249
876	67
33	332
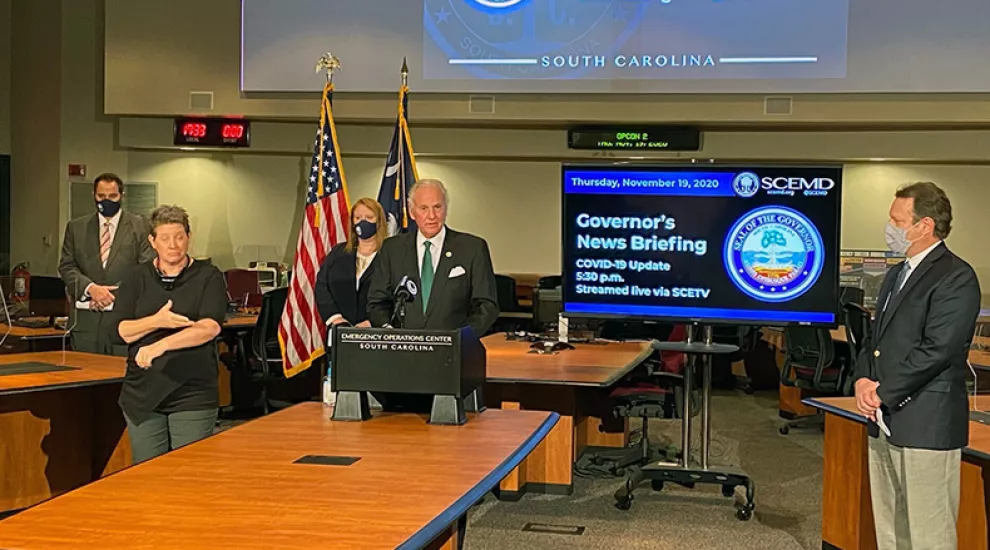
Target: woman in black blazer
343	280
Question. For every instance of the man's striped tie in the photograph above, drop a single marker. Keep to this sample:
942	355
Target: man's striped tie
105	244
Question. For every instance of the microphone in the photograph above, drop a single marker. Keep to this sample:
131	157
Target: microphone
406	290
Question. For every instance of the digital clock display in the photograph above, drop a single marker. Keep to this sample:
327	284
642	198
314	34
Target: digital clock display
212	132
632	138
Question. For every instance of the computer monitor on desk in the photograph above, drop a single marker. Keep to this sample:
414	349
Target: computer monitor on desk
47	297
546	307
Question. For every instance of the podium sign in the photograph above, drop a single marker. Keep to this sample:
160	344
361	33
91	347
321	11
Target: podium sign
448	364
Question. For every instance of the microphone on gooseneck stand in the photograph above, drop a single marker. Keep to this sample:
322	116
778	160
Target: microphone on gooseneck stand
404	293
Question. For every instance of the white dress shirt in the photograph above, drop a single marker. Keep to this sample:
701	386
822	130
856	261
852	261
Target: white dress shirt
435	249
114	222
914	261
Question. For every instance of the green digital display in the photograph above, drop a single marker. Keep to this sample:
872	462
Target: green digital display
631	138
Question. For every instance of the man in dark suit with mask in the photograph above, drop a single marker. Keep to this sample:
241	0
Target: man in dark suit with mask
97	251
911	376
452	270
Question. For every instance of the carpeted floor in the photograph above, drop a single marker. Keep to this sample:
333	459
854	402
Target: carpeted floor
787	471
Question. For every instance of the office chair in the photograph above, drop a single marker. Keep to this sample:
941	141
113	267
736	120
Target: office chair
505	289
265	349
653	392
857	325
746	339
508	302
849	295
811	364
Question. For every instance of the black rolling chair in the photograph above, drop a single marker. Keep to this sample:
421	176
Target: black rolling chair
811	364
265	349
849	295
654	391
857	324
508	302
505	289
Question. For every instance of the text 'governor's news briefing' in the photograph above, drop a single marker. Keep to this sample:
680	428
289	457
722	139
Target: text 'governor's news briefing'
740	244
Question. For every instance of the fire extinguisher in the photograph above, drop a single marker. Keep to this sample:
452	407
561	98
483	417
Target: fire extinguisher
22	283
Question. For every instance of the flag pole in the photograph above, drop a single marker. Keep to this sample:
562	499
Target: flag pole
405	72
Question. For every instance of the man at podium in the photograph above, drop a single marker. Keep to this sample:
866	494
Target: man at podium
451	272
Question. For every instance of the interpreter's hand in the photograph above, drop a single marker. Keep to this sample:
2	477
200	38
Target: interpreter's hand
101	297
166	318
149	353
364	324
867	400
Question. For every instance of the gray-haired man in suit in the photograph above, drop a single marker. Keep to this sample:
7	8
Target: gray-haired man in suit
97	252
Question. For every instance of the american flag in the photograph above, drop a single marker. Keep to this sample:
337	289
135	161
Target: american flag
300	333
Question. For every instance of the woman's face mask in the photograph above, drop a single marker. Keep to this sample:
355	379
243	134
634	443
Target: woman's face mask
365	229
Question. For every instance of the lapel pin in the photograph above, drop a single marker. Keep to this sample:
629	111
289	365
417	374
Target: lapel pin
448	254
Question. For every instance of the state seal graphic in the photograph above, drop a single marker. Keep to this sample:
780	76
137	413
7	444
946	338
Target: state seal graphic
774	254
495	39
498	6
746	184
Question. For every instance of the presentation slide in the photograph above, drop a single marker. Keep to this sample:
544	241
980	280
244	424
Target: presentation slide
581	39
619	46
723	244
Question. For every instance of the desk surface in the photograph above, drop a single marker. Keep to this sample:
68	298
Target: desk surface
93	369
27	333
237	320
979	434
586	365
241	320
241	489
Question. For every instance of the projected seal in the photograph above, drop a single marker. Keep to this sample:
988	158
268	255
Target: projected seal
497	39
774	254
498	6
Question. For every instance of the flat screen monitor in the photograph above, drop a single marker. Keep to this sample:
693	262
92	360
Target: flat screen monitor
47	297
546	306
755	245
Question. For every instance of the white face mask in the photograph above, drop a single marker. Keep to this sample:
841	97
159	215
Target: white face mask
897	239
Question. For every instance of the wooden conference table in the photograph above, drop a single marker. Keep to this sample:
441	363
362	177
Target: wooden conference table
847	516
791	404
572	383
245	488
58	430
27	339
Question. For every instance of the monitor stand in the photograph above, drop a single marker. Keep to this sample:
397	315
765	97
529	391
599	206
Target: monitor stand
683	472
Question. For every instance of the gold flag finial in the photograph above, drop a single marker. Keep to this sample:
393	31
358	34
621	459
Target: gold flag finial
328	63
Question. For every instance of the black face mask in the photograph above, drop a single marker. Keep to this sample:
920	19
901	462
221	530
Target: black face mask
108	208
365	229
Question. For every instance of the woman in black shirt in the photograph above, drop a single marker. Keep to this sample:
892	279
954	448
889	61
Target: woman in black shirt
169	311
342	283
